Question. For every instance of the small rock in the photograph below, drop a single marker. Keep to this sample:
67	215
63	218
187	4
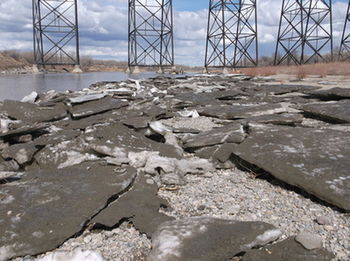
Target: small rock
309	241
201	207
322	220
328	227
25	138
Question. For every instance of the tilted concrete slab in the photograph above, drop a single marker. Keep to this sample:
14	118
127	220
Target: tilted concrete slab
45	208
314	160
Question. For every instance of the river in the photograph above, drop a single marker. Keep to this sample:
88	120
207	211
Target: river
16	86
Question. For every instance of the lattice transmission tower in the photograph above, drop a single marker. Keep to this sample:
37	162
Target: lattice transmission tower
344	51
151	33
305	32
231	34
55	32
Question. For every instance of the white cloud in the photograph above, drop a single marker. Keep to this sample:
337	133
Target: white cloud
103	28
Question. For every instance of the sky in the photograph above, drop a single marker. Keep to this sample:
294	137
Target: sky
103	27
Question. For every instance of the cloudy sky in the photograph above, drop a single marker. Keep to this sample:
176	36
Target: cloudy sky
103	27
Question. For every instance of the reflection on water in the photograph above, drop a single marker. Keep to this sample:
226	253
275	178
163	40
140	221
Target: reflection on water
15	87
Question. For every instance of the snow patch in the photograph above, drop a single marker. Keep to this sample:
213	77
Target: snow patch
6	252
75	158
30	98
263	239
167	244
75	255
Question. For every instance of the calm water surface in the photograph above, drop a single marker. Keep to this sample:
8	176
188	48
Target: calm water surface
15	87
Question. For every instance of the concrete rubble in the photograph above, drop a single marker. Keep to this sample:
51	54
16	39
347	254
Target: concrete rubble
94	159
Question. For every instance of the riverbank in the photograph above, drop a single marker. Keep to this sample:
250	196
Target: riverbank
233	167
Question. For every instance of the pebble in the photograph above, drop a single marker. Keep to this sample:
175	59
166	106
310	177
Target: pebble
322	220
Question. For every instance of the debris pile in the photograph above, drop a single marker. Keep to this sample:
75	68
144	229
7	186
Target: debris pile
96	158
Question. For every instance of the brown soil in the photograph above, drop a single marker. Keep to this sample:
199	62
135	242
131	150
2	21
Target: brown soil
8	62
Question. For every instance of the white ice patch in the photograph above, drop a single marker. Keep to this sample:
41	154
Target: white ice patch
75	255
263	239
6	252
159	127
75	158
289	149
189	114
4	124
139	159
167	244
30	98
113	152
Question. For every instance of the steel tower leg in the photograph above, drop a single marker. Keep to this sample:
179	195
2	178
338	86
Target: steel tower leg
231	34
55	32
318	31
151	33
344	50
290	39
305	32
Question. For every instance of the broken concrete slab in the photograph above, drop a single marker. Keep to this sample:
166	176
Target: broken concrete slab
97	106
51	98
100	141
86	98
64	154
24	129
219	153
232	133
331	94
60	202
226	95
231	112
279	89
189	99
9	166
338	112
137	123
207	239
172	171
287	250
83	123
290	119
118	135
312	159
34	113
140	206
22	153
56	137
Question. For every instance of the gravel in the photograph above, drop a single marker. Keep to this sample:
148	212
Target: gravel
238	195
201	123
